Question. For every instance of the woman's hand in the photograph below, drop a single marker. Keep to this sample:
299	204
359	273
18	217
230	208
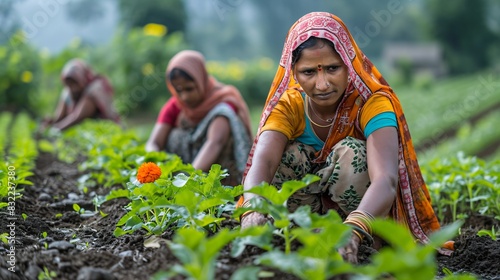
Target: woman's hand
350	251
253	219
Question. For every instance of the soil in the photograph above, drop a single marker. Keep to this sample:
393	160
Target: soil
56	238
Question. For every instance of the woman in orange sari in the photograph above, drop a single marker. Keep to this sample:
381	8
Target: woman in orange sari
205	122
85	95
330	112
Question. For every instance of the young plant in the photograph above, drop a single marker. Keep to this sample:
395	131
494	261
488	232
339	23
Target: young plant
274	205
404	258
197	253
320	236
493	233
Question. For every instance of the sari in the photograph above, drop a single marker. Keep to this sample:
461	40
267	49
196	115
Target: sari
412	206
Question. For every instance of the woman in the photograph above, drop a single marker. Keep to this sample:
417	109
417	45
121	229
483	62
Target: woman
331	113
85	95
204	122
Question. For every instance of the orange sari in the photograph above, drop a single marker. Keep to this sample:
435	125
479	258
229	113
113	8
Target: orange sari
412	206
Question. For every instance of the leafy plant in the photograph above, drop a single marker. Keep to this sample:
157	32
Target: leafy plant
46	274
274	205
463	185
197	253
493	233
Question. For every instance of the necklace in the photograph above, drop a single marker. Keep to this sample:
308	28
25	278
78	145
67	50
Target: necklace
317	115
310	119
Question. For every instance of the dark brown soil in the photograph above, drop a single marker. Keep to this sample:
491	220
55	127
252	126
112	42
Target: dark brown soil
76	247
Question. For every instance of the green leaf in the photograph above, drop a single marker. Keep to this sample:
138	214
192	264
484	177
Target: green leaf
260	236
291	263
246	273
445	233
396	235
118	194
210	203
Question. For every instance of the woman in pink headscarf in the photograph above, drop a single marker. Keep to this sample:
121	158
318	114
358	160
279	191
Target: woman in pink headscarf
205	122
85	95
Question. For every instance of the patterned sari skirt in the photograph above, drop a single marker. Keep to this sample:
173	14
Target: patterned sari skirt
344	176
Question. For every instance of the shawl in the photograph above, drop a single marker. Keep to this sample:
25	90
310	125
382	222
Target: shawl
214	92
412	206
81	72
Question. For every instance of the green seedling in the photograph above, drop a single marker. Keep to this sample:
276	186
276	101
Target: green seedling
46	274
197	253
274	205
404	258
493	233
3	237
317	258
78	209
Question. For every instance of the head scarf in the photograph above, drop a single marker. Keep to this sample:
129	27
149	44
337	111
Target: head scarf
193	63
412	206
78	70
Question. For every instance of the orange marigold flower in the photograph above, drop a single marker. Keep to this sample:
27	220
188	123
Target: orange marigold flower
148	172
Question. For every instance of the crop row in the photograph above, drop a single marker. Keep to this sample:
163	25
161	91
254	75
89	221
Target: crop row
18	153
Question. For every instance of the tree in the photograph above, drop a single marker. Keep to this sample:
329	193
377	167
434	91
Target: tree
170	13
460	27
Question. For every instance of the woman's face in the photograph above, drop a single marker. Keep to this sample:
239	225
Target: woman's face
187	91
322	74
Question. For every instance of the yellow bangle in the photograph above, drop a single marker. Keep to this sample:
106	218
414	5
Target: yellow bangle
245	204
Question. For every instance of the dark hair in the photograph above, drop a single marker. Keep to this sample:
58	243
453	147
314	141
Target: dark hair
179	73
309	43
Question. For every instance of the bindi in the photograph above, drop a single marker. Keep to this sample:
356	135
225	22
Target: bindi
319	67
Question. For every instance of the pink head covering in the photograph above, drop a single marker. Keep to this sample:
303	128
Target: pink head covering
193	63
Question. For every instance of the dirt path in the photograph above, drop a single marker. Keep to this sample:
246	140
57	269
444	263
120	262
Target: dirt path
54	237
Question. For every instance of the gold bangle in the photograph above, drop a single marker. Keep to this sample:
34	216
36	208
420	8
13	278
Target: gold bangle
246	214
245	204
358	234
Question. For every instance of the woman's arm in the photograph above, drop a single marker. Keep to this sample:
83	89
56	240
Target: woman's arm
218	134
266	159
382	156
85	108
158	138
265	162
60	111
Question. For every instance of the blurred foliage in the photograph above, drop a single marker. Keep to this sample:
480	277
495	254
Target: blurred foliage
469	44
134	61
253	78
19	74
171	13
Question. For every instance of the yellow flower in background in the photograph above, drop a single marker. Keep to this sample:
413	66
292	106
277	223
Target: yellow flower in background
155	29
236	69
147	69
266	63
26	77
